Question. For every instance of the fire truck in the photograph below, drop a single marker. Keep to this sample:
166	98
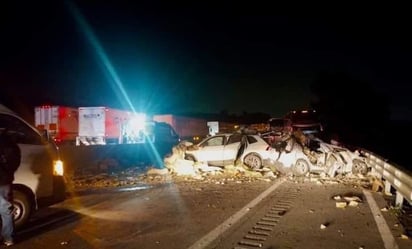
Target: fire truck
60	122
103	125
100	125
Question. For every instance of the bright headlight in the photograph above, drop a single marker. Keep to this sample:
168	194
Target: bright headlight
58	169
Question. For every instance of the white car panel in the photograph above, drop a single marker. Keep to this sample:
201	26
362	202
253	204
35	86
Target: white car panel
227	154
344	158
230	151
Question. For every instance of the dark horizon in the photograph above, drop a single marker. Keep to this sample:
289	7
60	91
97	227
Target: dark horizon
196	59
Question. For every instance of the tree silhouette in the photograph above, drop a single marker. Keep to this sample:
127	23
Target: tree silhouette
350	108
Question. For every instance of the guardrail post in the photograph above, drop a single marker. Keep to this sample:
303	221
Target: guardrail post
395	177
387	188
399	199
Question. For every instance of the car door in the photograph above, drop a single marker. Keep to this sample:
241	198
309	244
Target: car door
211	150
231	148
35	170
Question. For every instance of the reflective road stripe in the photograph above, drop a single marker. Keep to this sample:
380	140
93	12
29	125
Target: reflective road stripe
214	234
387	237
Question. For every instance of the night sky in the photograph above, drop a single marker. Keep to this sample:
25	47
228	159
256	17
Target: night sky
197	58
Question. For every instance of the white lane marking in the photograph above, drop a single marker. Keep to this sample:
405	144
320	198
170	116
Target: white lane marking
387	237
214	234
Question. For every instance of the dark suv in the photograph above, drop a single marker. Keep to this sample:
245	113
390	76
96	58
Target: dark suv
305	120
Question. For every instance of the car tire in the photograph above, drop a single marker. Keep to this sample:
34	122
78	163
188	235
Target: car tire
22	208
300	168
359	167
253	161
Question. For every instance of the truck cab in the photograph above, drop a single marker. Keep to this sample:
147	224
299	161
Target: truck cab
39	180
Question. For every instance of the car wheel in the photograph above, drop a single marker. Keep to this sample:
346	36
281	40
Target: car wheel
22	208
300	168
190	158
253	161
359	167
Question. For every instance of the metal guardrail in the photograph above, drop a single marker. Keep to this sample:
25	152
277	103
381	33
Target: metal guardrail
393	177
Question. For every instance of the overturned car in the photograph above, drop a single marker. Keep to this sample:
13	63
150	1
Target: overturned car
300	155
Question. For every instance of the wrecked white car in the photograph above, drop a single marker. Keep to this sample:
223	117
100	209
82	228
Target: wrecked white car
229	149
317	156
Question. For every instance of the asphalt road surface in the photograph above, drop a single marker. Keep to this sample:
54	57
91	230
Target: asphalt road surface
181	213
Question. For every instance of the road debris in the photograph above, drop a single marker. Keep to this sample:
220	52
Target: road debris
177	168
352	198
377	184
341	204
347	200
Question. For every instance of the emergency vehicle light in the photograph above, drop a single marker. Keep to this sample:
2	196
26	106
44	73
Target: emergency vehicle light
138	122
